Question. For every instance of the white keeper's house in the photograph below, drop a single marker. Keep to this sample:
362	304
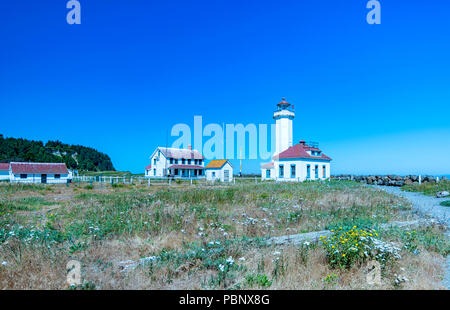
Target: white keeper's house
177	163
299	162
51	173
219	169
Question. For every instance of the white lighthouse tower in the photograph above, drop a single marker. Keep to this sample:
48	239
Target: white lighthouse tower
283	126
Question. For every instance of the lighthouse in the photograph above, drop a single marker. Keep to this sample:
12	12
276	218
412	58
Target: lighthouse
294	163
283	117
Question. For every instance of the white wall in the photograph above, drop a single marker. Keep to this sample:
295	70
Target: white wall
4	175
220	173
36	178
283	130
161	165
264	171
300	170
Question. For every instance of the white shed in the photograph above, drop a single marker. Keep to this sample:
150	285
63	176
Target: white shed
219	170
51	173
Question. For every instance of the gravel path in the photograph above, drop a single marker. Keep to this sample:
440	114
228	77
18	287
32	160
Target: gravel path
427	205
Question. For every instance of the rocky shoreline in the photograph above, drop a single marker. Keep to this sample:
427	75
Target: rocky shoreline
390	180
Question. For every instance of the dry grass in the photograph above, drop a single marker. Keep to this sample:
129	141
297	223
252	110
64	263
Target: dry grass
104	226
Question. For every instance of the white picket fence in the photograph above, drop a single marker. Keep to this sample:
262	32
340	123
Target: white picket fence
138	180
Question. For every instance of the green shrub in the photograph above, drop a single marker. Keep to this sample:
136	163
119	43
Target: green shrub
445	203
330	279
347	247
260	280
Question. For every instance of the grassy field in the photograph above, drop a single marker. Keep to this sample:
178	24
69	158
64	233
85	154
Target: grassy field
427	188
210	237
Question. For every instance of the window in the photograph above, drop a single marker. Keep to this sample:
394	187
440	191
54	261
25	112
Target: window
324	168
183	161
154	161
171	161
189	161
281	171
57	176
154	172
268	173
23	176
176	171
292	171
200	162
195	161
308	171
213	174
316	171
176	161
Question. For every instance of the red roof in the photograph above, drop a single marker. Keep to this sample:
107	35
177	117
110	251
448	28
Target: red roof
4	166
267	166
148	167
185	167
299	151
39	168
284	103
181	153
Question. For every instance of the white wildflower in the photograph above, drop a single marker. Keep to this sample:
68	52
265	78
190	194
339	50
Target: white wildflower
230	260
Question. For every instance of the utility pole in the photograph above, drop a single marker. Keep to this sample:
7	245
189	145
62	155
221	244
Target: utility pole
240	162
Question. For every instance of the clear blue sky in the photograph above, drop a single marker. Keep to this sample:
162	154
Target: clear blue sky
376	97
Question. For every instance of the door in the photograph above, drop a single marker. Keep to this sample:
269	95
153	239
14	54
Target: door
43	178
226	175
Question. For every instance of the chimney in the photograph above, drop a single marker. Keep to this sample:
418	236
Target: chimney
302	142
190	147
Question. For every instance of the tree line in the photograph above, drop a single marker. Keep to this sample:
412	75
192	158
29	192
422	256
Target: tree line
74	156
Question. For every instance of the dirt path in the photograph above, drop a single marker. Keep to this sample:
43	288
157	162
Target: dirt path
427	205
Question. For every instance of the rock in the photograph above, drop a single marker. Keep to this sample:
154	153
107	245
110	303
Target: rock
442	194
127	265
399	183
408	181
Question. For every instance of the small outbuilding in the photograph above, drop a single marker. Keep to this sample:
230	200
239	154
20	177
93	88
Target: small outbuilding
219	169
51	173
